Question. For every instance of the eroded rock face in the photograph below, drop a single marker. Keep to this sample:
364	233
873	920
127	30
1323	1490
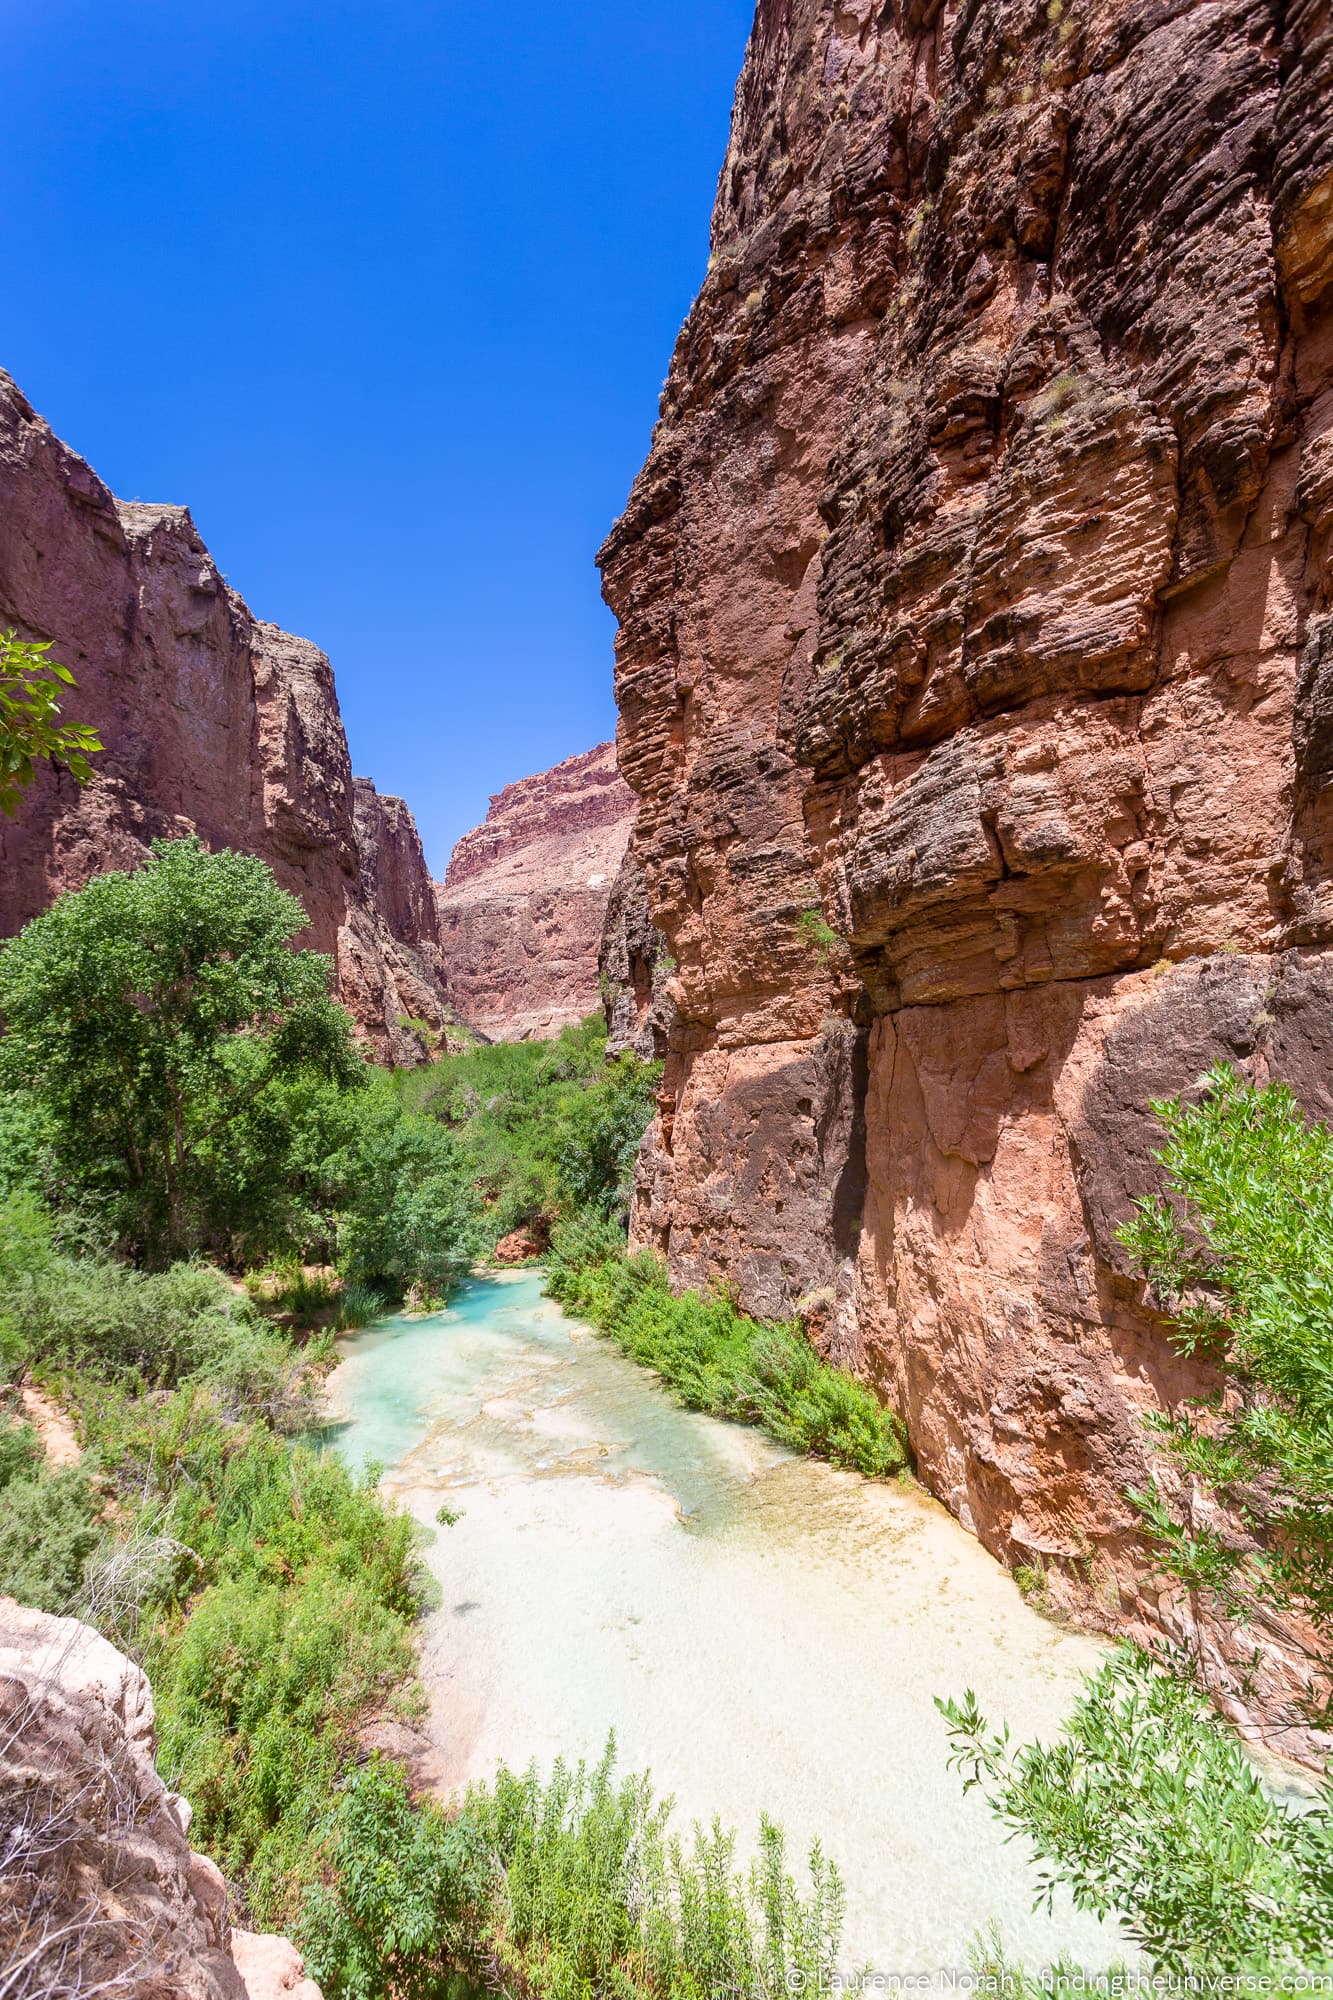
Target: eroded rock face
523	902
634	968
975	672
98	1882
213	722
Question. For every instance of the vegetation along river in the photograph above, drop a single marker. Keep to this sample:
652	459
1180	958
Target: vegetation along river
763	1632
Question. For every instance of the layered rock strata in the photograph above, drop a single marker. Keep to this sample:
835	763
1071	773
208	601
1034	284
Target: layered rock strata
99	1887
214	722
523	902
975	672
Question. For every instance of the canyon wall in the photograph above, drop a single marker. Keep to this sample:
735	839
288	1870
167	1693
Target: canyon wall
214	722
523	903
975	672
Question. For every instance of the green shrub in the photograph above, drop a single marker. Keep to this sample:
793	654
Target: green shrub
20	1451
568	1886
1149	1808
408	1210
716	1359
1241	1255
48	1532
27	1144
358	1305
257	1703
585	1243
158	1327
818	933
288	1290
290	1623
407	1890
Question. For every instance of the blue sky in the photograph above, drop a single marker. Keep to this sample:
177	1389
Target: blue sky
385	290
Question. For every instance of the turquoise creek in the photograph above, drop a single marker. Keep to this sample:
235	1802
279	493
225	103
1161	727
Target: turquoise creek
762	1632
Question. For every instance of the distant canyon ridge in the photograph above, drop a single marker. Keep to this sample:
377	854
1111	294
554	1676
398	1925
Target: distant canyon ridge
523	904
219	724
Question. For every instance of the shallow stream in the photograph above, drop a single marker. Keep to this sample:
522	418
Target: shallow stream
762	1632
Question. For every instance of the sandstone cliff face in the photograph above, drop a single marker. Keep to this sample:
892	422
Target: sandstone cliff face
99	1888
213	722
976	678
523	902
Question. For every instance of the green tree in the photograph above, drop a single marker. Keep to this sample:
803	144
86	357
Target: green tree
408	1213
158	1017
1148	1808
604	1125
30	724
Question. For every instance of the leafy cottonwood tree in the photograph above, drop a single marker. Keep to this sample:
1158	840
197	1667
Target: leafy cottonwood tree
1147	1806
30	725
158	1017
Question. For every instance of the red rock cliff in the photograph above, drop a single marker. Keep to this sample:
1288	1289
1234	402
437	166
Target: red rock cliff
213	722
975	672
523	903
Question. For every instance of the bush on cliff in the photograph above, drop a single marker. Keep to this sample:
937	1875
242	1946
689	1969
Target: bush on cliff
1147	1806
717	1359
1240	1252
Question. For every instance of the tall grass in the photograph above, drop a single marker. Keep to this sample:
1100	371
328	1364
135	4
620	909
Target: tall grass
717	1359
359	1305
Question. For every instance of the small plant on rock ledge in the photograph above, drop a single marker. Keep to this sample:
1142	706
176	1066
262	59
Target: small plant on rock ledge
816	931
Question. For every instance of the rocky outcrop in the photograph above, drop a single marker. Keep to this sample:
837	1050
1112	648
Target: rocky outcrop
523	902
975	666
99	1888
213	722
